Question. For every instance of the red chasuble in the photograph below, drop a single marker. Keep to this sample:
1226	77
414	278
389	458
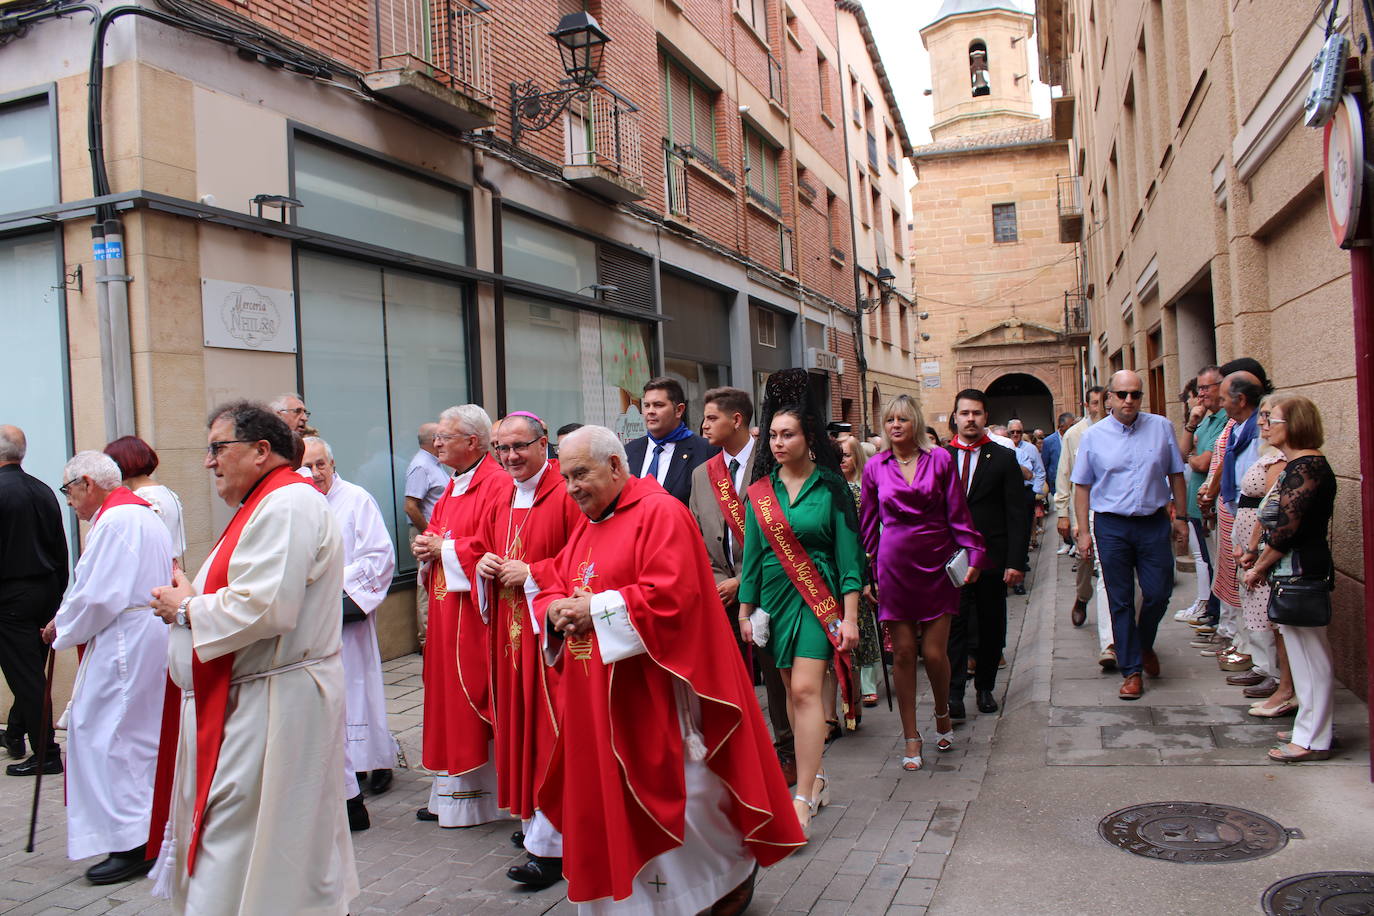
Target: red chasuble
523	687
457	725
615	785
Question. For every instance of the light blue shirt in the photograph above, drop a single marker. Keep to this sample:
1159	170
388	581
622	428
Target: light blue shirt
1128	467
1028	456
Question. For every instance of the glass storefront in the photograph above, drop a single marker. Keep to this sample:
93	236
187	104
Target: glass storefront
696	339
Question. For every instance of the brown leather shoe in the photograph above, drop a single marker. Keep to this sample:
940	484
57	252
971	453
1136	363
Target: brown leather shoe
1133	688
1263	690
1079	614
1150	662
738	900
1247	679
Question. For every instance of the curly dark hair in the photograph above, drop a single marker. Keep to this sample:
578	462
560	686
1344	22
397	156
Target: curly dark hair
256	422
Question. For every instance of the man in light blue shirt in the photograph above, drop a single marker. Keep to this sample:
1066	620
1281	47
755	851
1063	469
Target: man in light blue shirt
1127	470
1028	456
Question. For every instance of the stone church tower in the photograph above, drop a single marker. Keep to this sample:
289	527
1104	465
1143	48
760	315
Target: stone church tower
1000	288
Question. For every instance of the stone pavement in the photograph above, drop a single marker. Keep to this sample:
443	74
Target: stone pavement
1006	823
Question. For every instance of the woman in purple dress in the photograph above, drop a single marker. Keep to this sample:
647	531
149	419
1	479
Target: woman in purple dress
914	518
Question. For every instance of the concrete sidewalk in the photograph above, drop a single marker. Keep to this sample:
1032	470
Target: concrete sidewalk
1068	752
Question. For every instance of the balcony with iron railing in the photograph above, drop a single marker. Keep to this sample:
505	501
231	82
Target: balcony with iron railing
1075	315
1060	80
434	57
675	182
1069	198
604	152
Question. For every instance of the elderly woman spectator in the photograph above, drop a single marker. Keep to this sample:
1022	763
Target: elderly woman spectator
868	655
137	461
914	520
1296	518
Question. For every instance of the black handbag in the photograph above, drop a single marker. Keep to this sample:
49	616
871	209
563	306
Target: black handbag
1300	601
351	612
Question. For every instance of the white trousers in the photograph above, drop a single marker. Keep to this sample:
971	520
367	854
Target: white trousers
541	837
1204	572
1230	624
1309	659
1104	611
465	800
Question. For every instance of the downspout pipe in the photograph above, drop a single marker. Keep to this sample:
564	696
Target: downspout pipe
858	313
117	370
498	267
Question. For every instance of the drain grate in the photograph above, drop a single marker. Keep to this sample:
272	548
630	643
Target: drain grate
1193	832
1321	893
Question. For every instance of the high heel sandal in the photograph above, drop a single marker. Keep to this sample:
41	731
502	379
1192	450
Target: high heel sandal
912	762
944	740
823	796
810	809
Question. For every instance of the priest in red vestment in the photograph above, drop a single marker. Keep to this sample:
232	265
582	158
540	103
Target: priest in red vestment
663	778
458	714
532	525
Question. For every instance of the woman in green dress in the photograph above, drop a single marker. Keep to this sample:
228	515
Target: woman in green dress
804	469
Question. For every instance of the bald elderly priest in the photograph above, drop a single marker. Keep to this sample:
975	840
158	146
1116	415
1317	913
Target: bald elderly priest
663	779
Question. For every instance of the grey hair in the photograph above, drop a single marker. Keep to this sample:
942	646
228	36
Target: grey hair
602	444
327	450
471	420
13	447
426	434
279	402
98	466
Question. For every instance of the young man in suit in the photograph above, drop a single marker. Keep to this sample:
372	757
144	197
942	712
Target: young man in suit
995	486
671	451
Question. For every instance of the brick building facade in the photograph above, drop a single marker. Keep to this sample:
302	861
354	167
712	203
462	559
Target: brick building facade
378	203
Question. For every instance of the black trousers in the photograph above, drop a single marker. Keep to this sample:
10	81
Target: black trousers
26	606
980	630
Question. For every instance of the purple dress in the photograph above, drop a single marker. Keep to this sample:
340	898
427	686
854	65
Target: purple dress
911	530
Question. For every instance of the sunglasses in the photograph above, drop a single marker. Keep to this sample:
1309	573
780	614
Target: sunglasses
1129	395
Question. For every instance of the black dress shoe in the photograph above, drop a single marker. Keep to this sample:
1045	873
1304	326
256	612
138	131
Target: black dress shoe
14	745
1018	589
51	767
378	782
539	871
956	708
121	866
362	780
738	900
424	814
985	701
357	814
517	839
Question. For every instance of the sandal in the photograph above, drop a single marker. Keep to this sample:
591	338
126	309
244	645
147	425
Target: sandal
823	796
944	740
1281	754
809	810
1286	708
833	731
912	762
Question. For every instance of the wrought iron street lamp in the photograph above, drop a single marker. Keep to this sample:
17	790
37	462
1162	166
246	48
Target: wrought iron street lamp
581	44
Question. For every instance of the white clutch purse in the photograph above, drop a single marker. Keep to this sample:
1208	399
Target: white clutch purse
759	621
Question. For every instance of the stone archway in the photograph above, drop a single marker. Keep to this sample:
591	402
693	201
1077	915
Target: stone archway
1023	396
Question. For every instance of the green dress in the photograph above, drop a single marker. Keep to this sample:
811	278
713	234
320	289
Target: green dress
818	519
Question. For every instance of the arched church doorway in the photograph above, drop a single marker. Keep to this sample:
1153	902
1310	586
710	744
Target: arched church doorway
1022	396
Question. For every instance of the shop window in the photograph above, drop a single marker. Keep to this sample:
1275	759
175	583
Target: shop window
696	341
542	253
768	329
28	177
1004	222
569	365
383	351
347	194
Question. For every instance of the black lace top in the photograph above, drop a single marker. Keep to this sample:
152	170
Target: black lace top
1298	520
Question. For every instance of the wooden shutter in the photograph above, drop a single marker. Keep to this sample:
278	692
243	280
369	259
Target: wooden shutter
679	104
703	119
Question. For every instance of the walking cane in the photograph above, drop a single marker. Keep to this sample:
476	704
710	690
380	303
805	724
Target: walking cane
882	656
45	738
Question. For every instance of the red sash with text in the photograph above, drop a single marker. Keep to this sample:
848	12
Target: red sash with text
807	580
726	498
211	683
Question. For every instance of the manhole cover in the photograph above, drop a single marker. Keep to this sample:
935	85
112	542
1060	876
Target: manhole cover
1192	832
1322	893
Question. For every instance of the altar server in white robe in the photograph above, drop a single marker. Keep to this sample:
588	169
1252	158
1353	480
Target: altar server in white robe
112	724
267	833
369	564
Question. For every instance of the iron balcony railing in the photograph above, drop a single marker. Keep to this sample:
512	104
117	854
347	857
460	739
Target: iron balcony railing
1075	313
1069	195
1060	78
775	82
675	180
611	123
448	39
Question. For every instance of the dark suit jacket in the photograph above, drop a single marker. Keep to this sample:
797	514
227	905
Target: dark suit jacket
33	546
997	501
687	454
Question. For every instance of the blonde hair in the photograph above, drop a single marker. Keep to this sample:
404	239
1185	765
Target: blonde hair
858	454
905	406
1303	419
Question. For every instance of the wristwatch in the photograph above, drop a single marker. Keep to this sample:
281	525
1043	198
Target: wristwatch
181	619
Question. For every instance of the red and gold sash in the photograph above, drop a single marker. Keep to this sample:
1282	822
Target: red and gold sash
723	486
211	683
807	580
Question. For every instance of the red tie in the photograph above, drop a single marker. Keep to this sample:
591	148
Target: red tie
963	469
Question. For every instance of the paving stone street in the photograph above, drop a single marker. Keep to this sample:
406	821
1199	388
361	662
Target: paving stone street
1006	823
